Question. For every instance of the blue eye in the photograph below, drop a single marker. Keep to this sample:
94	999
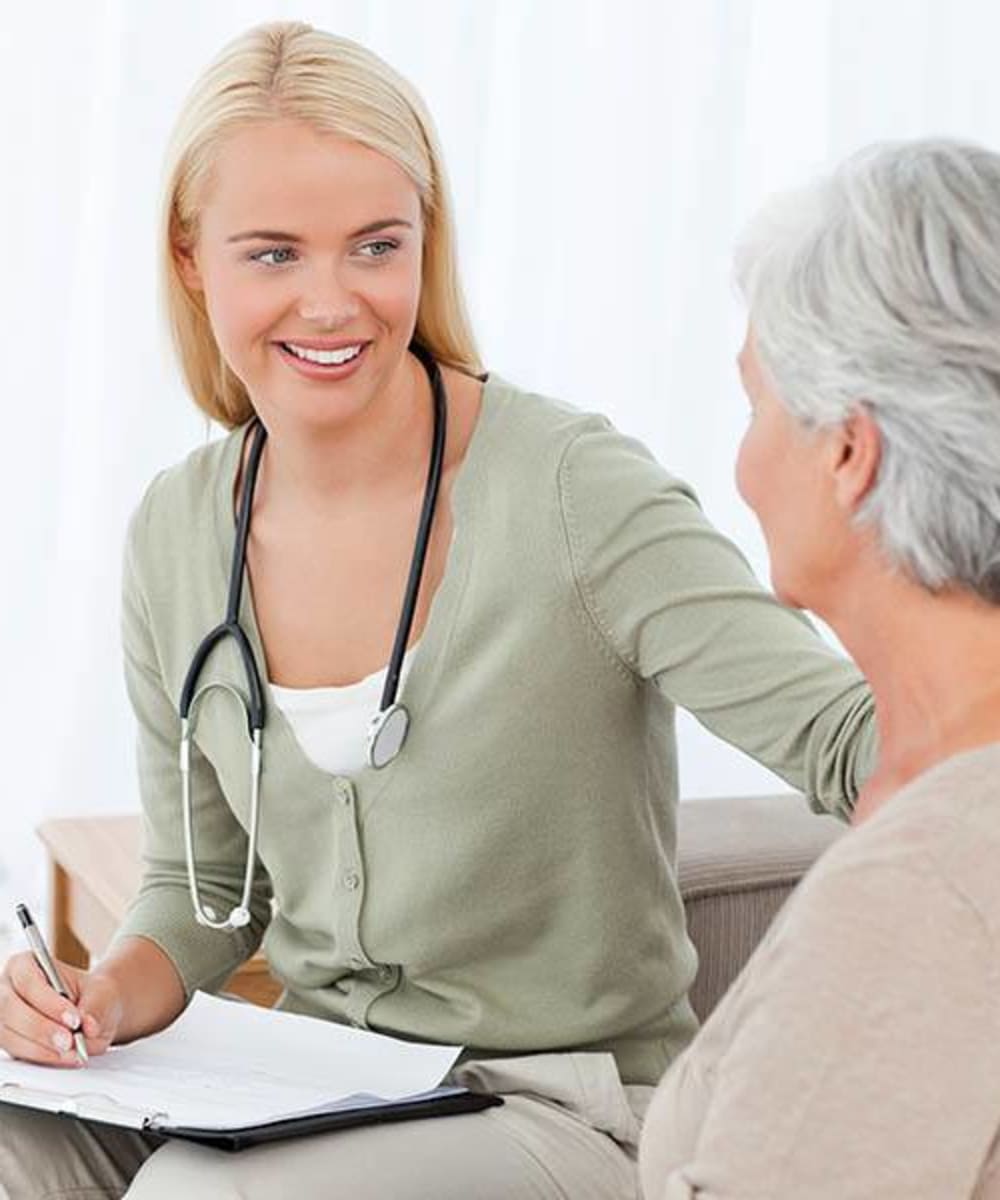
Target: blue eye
380	248
278	256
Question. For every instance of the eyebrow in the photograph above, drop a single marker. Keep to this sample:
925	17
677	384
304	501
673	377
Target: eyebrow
276	235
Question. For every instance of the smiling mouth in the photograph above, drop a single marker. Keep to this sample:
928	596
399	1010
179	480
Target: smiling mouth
324	358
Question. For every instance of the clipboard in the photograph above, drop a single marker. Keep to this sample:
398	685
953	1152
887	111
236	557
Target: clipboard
443	1102
233	1075
360	1110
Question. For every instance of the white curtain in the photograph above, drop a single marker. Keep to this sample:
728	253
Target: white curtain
603	156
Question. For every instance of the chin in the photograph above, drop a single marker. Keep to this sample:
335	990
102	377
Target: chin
317	405
787	591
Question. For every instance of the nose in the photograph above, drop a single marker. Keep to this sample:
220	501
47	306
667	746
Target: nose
326	301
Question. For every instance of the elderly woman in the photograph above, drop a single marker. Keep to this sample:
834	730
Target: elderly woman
859	1053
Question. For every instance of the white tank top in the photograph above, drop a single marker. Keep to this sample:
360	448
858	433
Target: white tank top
331	723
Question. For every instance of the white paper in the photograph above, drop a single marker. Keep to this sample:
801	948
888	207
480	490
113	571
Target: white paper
226	1065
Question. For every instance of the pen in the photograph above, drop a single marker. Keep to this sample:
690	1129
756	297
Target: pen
44	960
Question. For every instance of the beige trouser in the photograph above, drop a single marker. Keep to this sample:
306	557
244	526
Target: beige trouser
568	1130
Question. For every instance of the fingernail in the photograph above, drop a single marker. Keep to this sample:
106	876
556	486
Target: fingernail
61	1040
71	1019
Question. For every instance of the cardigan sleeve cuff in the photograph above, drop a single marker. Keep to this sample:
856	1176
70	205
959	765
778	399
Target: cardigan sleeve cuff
203	958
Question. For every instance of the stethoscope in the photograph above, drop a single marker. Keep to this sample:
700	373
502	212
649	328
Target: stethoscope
388	728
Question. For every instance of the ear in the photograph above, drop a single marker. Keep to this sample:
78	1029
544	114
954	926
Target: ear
858	455
187	266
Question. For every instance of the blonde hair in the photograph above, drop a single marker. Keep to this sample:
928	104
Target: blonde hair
290	71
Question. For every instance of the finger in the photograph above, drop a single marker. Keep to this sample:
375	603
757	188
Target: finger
33	1012
32	1038
96	1032
100	1008
28	981
97	1046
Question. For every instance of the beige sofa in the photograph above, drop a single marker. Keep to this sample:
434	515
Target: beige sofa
738	859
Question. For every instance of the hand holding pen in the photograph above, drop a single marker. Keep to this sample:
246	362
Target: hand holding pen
54	979
52	1013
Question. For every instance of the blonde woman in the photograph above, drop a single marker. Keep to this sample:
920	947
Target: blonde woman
858	1056
492	863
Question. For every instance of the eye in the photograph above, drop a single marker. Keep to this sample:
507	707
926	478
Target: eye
278	256
379	248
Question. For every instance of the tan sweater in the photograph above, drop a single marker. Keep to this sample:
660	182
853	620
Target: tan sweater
858	1055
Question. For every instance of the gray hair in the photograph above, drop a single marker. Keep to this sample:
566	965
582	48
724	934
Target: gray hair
880	287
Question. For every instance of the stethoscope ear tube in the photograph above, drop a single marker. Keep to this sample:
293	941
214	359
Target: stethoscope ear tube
205	915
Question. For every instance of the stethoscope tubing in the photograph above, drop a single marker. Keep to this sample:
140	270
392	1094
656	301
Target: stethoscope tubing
435	468
230	627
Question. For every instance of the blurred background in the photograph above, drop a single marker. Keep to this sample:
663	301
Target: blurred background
603	154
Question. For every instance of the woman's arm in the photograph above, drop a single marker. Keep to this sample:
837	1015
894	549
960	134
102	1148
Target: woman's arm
149	989
133	992
858	1056
678	604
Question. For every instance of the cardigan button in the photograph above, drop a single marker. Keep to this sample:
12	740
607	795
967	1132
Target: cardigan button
352	881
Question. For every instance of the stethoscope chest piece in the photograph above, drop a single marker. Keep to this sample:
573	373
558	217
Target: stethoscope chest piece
386	735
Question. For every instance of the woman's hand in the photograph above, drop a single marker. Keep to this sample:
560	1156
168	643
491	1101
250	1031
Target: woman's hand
37	1024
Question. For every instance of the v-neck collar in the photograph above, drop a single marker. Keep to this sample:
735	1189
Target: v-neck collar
428	661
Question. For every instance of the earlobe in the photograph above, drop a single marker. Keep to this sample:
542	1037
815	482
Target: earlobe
859	455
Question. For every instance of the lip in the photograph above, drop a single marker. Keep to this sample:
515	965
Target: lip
317	371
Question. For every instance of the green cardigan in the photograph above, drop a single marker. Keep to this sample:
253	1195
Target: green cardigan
508	883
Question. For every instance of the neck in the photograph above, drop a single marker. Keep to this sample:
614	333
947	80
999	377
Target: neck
385	446
933	662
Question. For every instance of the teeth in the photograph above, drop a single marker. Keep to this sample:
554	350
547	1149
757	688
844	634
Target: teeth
327	358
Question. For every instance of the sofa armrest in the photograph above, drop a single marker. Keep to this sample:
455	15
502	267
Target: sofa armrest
738	859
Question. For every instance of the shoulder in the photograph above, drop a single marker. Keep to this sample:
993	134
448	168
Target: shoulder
923	867
945	824
181	504
531	419
588	455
